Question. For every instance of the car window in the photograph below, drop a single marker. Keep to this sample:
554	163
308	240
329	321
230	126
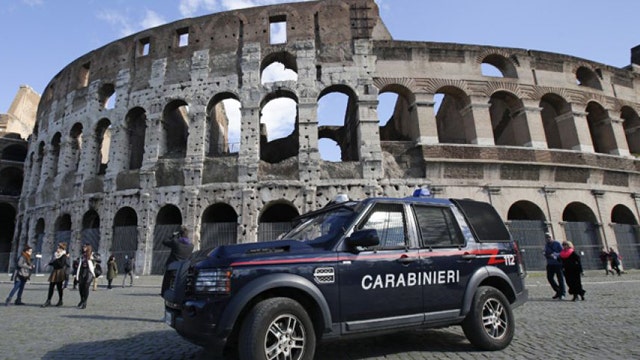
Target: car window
388	220
437	226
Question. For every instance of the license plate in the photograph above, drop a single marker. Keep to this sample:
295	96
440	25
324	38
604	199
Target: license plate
168	318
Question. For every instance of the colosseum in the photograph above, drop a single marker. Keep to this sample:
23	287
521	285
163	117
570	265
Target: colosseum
140	136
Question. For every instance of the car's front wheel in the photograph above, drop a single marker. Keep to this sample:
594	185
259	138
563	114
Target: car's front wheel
278	329
490	323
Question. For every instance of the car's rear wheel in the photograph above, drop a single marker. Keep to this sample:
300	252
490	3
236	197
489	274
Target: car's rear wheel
277	329
490	323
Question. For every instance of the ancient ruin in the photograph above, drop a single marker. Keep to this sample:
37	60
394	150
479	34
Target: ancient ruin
138	137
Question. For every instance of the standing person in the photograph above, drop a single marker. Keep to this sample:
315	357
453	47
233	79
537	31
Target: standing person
181	248
85	274
22	275
572	268
74	270
605	260
58	275
129	266
615	261
112	270
96	274
552	249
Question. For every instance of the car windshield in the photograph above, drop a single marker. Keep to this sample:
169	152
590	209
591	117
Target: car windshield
322	228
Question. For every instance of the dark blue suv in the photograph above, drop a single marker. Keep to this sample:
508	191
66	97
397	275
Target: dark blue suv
351	268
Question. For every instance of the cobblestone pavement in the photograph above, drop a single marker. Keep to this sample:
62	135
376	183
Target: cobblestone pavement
126	323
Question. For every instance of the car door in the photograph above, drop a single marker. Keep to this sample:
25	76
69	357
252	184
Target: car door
378	287
446	266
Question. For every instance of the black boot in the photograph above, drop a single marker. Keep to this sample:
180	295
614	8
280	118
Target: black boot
575	297
46	303
59	302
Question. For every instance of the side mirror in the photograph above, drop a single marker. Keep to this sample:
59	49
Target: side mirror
363	238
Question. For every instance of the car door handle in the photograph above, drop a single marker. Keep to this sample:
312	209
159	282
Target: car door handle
468	256
404	259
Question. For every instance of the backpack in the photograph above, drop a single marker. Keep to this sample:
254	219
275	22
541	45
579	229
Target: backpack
97	270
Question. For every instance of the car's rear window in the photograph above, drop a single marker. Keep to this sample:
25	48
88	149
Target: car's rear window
484	220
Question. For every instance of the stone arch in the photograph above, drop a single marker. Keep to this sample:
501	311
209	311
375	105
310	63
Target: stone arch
91	229
55	153
15	152
620	214
175	129
527	224
11	179
275	219
582	228
555	113
168	220
600	128
219	226
502	63
125	235
136	126
339	125
279	129
7	226
525	210
223	125
75	136
403	124
508	120
454	124
106	96
587	77
103	141
278	66
62	232
631	124
39	236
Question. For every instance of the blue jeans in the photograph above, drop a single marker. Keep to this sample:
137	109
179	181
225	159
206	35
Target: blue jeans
553	272
18	285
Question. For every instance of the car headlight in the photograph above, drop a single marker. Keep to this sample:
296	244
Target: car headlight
211	281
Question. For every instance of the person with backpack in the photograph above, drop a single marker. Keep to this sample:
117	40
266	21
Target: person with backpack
85	274
129	266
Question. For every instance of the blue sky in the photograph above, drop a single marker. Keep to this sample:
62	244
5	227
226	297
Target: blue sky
40	37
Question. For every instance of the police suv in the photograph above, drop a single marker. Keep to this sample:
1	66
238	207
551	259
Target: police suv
353	268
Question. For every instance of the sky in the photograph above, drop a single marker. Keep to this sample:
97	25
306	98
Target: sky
41	37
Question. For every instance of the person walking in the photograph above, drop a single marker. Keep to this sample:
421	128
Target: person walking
21	275
129	266
58	275
605	260
112	270
85	274
572	268
615	261
552	249
181	248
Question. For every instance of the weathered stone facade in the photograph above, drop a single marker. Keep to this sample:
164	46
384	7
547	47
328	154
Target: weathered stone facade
552	138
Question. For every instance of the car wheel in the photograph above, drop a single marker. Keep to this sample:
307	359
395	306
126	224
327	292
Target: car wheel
277	328
490	324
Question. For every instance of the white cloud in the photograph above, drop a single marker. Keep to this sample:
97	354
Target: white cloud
152	19
33	2
119	21
189	8
279	115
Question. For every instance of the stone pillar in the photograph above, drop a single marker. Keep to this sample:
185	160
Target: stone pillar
580	127
532	121
477	122
621	146
194	160
369	139
309	154
426	125
249	216
249	156
47	168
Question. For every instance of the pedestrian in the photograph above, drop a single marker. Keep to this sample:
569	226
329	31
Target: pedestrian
615	261
112	270
605	260
85	274
60	264
74	270
129	266
21	275
97	271
181	248
572	268
555	277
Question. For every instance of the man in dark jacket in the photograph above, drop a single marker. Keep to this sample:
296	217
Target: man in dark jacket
181	249
552	250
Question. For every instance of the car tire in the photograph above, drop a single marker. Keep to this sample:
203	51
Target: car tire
277	328
490	323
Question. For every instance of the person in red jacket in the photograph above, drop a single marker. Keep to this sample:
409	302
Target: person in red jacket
572	268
